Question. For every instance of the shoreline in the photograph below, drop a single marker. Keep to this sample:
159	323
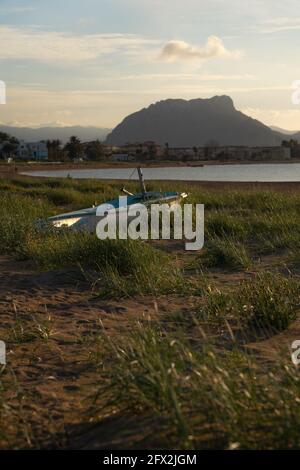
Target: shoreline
94	165
8	171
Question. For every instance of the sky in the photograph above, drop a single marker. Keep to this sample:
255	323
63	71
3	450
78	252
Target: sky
93	62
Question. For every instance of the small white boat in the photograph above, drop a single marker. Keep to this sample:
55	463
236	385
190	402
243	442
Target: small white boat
87	219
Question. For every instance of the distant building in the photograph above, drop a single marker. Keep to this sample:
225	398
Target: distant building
32	151
110	149
149	149
180	153
152	149
271	153
247	153
122	157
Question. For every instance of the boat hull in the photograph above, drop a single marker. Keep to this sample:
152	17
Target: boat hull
87	219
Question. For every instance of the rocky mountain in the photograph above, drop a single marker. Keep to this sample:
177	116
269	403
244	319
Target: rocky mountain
28	134
182	123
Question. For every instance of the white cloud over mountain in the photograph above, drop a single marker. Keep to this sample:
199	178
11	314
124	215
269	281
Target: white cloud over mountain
181	50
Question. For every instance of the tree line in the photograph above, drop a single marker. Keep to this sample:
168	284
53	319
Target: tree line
74	149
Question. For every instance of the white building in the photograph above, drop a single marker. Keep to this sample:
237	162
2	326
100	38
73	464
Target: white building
33	150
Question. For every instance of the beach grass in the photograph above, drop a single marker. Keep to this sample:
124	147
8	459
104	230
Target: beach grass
241	227
189	371
198	395
114	267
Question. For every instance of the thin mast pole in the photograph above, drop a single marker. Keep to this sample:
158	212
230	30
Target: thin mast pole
141	178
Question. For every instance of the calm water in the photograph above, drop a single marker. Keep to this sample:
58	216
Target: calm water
267	172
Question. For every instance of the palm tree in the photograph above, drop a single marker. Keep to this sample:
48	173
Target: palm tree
95	150
54	149
74	148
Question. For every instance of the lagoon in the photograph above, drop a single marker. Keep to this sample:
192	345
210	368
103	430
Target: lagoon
260	172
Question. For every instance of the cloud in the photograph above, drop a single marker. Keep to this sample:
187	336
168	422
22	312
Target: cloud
185	76
67	48
181	50
276	25
17	9
284	118
59	47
